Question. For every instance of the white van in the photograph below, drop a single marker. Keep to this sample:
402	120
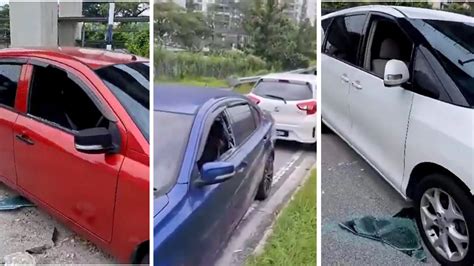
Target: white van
398	87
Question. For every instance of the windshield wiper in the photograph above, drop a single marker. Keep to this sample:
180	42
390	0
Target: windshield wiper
276	97
462	63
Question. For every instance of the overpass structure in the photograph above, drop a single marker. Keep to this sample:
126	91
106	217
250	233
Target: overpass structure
38	23
59	23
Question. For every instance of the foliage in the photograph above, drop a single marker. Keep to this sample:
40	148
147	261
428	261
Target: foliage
293	240
275	38
196	81
139	42
335	5
124	9
174	25
133	37
459	8
181	65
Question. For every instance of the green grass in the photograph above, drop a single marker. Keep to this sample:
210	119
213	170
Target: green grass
198	82
293	240
244	88
208	82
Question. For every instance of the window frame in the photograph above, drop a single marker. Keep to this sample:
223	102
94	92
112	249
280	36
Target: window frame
359	45
363	47
35	63
22	63
244	141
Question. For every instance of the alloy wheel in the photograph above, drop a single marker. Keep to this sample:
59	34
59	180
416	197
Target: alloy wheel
268	175
444	224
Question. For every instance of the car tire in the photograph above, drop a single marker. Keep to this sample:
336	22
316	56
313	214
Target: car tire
265	185
447	220
310	146
325	129
145	260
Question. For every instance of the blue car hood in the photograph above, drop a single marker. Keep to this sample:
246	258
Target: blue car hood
159	204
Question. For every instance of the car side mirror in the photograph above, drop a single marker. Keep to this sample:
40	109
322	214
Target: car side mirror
216	172
94	141
396	73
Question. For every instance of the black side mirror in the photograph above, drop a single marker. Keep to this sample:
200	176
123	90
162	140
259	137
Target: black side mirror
94	141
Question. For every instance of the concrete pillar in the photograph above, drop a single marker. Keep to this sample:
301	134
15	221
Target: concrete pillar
33	24
68	31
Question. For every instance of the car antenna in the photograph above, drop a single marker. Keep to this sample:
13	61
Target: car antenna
134	58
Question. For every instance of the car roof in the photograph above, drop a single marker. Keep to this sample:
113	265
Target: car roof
94	58
292	76
185	99
405	12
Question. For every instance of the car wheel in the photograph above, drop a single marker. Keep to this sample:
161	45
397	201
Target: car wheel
266	184
445	219
145	259
325	129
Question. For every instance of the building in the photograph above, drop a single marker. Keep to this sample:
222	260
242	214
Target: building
443	4
181	3
298	9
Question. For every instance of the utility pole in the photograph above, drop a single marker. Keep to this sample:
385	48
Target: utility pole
109	39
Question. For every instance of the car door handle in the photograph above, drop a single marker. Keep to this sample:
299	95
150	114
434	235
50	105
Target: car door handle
345	78
242	167
24	138
357	85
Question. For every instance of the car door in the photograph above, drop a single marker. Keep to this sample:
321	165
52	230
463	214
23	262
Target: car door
10	72
77	186
380	114
249	157
339	62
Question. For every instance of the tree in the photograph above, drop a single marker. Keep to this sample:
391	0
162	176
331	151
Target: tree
306	39
336	5
123	9
273	36
176	26
139	42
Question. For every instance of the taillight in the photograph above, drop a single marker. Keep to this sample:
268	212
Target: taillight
309	107
255	100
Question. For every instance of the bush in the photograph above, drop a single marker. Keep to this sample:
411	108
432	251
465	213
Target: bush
138	43
220	65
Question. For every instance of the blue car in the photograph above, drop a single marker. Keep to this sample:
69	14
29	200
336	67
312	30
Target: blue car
214	153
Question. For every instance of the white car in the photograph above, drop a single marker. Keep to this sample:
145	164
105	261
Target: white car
398	87
291	99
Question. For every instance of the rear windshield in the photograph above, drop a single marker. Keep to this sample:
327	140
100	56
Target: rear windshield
283	89
171	139
453	42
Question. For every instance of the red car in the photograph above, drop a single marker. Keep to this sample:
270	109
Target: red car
74	139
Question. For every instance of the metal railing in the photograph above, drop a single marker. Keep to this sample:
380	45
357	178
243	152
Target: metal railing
233	82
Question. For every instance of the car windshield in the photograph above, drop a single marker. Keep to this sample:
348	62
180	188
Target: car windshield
283	90
171	139
130	84
453	42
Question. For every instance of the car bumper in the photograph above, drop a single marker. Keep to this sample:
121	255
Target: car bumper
303	133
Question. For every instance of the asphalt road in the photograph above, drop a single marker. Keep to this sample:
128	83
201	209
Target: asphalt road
292	162
352	189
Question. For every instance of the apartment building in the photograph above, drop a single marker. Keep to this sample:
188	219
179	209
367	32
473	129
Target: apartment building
297	9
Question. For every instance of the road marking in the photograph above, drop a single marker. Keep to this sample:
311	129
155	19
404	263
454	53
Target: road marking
281	172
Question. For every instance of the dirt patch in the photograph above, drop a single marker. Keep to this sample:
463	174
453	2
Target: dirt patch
31	229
